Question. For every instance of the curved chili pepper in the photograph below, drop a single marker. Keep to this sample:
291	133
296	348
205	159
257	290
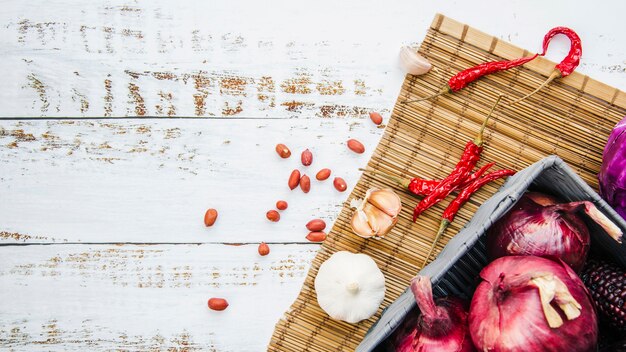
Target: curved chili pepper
470	157
467	76
460	200
423	187
565	67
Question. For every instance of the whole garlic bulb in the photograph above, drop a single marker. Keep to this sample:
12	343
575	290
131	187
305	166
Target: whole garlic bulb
376	214
349	286
412	62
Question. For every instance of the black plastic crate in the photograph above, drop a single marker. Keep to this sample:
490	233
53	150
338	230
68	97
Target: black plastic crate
455	271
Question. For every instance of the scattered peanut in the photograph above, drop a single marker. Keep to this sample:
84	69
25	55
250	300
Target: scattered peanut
209	217
376	118
316	225
217	303
317	236
264	249
281	205
306	157
272	215
283	150
323	174
340	184
356	146
305	183
294	179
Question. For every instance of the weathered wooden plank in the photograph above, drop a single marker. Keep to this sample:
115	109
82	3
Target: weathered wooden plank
120	58
151	181
241	58
150	297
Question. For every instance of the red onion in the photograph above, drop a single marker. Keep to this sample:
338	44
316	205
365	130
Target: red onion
539	225
528	303
440	326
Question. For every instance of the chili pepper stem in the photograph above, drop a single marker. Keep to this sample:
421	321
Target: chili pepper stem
555	74
403	183
479	138
442	229
444	90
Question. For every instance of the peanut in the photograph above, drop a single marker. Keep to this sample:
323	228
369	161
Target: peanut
376	118
340	184
356	146
317	236
217	303
272	215
209	217
281	205
323	174
305	183
316	225
283	150
306	157
264	249
294	179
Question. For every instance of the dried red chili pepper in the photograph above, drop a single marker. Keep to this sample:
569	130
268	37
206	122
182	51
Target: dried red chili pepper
568	65
461	199
454	206
467	76
423	187
476	175
461	171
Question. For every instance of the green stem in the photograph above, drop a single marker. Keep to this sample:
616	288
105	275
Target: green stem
442	91
442	228
555	74
401	182
479	139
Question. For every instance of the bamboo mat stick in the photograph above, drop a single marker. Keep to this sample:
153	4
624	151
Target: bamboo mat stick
572	118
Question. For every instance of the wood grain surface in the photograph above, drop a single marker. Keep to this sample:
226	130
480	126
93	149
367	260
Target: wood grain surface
144	297
122	121
55	174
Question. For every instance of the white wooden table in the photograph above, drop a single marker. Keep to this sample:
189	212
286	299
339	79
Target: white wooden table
102	245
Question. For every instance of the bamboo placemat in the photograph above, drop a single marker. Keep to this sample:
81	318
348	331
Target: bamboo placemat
571	118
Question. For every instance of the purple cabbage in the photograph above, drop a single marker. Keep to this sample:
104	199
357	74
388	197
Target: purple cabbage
612	176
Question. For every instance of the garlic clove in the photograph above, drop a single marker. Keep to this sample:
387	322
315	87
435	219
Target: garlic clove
371	221
376	214
412	62
383	221
371	214
388	226
366	221
360	224
386	200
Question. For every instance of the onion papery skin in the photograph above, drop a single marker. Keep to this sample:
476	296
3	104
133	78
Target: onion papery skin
536	227
511	319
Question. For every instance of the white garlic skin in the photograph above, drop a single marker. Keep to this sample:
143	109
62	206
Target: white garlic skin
412	62
349	286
